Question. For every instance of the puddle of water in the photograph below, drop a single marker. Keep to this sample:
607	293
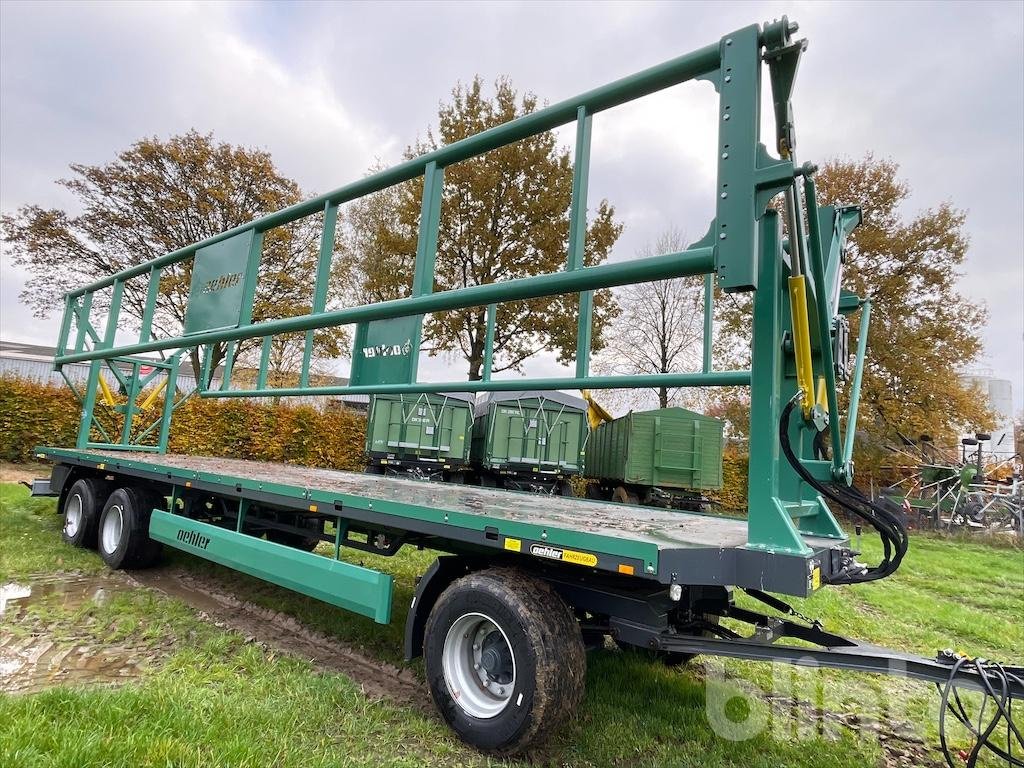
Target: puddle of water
69	593
32	660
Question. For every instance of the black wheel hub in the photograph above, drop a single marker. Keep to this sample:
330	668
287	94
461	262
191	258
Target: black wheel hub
496	658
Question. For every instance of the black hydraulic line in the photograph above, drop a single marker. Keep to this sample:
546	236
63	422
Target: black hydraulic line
992	676
890	528
996	681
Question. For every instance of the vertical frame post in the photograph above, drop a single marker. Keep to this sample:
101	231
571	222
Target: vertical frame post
110	332
858	375
205	374
323	274
170	392
132	390
65	328
492	312
578	234
739	116
229	364
89	403
82	311
152	294
769	525
709	319
261	377
426	249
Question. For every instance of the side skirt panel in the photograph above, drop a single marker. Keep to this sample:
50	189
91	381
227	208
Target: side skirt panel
361	590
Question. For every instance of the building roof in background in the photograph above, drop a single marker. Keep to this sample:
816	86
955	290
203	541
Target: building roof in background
18	350
24	351
37	353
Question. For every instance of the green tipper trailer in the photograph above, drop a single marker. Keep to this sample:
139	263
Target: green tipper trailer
529	441
664	457
422	435
529	581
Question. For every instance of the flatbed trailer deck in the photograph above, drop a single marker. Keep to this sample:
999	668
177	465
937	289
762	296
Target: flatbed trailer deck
663	546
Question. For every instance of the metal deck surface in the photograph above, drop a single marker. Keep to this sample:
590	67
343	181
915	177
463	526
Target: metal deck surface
664	528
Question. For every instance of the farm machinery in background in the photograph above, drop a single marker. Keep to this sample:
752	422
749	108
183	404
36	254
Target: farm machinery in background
959	489
541	441
521	441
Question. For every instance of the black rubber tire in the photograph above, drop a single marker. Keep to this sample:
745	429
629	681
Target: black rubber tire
373	469
91	494
133	548
550	660
564	488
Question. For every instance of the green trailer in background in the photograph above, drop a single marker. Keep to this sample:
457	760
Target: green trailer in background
420	435
666	458
529	441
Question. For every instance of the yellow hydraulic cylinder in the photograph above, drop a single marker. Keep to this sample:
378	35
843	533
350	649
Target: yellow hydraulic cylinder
802	341
148	402
108	396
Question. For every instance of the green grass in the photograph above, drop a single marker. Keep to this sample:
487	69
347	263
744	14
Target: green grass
218	701
222	703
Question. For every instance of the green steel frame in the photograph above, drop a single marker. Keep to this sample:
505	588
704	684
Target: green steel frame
743	251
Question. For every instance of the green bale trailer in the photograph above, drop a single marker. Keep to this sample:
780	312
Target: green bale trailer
422	435
529	441
665	457
528	582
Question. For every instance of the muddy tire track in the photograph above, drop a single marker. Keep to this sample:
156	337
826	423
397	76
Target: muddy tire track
39	651
284	634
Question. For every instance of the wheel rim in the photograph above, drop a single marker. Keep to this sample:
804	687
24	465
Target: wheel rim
73	515
113	524
479	666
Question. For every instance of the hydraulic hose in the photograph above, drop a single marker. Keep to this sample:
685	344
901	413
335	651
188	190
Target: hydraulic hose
995	678
995	681
890	528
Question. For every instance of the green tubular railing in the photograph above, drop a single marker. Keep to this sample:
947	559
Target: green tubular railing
742	251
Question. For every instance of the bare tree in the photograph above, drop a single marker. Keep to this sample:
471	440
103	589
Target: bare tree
660	328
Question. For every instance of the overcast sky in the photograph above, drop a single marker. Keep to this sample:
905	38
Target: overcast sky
329	89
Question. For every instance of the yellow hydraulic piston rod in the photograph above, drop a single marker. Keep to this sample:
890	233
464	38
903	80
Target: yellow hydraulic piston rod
108	396
148	402
798	305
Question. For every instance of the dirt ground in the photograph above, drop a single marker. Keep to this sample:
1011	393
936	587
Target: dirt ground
284	634
18	473
36	652
35	655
